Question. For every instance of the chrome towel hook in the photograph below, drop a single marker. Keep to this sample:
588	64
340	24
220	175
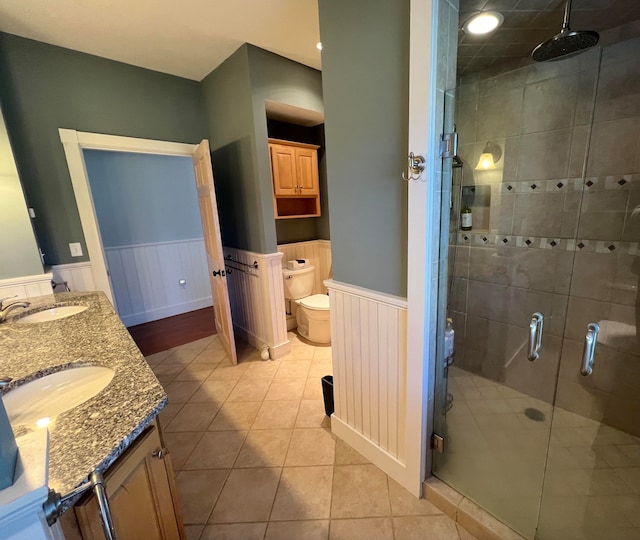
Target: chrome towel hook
416	166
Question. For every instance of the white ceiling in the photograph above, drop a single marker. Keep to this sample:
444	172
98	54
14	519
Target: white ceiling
189	38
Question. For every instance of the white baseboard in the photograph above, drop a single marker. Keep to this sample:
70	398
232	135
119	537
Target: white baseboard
280	351
275	351
246	335
372	452
165	311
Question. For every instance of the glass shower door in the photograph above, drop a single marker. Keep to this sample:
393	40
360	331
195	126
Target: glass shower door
494	405
552	446
592	482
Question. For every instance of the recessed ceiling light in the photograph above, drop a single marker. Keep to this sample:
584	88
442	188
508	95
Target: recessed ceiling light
483	23
319	45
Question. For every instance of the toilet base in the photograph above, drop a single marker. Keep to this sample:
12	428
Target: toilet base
314	329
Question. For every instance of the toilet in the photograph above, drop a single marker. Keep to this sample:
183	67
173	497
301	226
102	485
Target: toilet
311	311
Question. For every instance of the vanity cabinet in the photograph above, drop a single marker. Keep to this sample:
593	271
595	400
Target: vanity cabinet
141	493
294	171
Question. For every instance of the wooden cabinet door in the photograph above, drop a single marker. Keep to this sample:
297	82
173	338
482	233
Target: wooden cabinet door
307	171
140	496
283	164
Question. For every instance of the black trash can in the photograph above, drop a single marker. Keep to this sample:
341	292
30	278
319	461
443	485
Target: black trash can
327	393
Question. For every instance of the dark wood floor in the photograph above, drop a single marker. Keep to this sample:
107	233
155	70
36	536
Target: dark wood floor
156	336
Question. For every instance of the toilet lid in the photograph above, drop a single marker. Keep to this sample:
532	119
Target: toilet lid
316	301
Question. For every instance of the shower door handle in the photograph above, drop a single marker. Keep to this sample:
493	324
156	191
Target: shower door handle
589	351
535	335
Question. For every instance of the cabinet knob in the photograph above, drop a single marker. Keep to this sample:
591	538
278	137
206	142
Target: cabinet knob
160	453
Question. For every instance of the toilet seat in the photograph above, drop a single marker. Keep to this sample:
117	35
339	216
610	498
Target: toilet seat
316	302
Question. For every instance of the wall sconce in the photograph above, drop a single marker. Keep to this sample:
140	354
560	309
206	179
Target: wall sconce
491	153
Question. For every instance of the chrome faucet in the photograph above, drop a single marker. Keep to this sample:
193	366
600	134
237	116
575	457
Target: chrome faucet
6	308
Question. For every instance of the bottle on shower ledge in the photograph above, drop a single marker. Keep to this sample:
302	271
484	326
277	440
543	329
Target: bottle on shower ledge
466	218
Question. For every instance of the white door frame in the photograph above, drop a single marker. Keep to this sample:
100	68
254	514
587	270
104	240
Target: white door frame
422	240
74	142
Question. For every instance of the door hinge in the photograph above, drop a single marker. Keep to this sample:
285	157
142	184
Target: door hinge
449	145
437	443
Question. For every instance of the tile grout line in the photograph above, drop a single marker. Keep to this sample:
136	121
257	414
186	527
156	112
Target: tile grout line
250	429
391	514
272	380
205	431
217	499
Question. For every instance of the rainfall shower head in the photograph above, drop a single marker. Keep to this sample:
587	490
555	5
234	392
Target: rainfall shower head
566	43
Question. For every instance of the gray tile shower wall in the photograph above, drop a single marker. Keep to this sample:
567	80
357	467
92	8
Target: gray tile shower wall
561	228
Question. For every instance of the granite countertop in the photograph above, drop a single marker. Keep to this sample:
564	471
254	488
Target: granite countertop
96	432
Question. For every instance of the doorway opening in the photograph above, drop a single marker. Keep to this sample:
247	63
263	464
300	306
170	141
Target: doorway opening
76	143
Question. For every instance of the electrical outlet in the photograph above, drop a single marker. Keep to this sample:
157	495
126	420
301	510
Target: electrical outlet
76	249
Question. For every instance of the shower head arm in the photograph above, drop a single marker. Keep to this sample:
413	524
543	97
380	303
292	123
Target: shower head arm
565	21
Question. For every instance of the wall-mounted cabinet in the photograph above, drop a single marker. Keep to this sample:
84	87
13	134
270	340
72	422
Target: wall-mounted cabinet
294	171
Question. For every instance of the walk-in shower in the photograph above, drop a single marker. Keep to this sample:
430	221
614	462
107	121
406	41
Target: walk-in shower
547	445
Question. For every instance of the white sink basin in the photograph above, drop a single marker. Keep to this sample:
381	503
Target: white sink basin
37	403
51	314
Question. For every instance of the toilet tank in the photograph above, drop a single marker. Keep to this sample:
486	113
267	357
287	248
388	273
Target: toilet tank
298	283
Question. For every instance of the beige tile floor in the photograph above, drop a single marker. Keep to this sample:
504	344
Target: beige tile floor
255	457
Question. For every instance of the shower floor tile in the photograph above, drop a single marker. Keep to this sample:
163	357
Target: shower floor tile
500	443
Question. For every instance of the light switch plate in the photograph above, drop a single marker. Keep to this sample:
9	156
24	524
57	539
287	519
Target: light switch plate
76	249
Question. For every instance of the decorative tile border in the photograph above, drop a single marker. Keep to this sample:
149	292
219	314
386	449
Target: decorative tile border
624	182
535	242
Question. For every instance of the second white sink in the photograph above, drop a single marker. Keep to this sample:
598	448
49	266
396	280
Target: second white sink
50	314
38	402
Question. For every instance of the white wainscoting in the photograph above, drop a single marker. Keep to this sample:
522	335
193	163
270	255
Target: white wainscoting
257	299
368	338
145	279
319	254
26	286
77	276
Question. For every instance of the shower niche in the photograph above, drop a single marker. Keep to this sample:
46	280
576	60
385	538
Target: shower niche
478	198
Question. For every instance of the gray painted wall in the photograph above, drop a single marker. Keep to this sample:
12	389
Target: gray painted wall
143	198
43	88
277	79
234	97
17	242
365	88
229	116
